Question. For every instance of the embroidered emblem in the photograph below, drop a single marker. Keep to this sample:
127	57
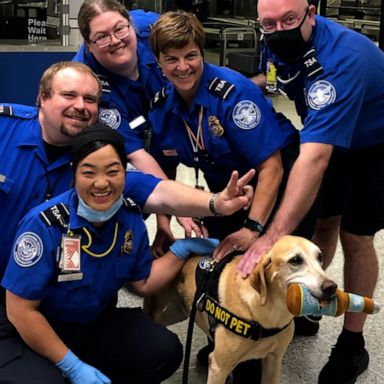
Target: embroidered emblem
28	249
207	264
246	114
321	94
110	117
215	126
128	242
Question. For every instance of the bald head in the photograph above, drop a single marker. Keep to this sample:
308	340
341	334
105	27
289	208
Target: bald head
287	26
271	8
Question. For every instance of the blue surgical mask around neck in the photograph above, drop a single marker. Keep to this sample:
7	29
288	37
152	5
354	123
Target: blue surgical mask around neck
93	216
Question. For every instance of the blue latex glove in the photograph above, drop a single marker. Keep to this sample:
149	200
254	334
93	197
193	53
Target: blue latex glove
79	372
201	246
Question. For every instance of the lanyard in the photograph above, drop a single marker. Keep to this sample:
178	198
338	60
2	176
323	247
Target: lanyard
197	143
85	248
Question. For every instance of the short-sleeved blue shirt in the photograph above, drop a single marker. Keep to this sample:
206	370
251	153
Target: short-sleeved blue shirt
343	104
239	126
27	178
110	255
125	103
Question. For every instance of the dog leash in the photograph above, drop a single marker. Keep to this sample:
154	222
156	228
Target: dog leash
201	283
206	266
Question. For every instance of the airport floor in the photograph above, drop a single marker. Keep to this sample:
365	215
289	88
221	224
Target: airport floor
306	355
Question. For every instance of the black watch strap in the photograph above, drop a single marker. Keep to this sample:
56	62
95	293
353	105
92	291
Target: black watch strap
253	225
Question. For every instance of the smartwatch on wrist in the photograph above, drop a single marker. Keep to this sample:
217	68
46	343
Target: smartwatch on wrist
253	225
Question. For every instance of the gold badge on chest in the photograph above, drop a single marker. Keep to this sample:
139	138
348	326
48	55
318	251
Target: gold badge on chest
215	126
128	242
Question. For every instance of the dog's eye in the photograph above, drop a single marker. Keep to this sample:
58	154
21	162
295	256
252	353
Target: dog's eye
296	260
320	258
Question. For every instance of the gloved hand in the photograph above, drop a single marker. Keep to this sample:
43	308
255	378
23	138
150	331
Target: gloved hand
80	373
201	246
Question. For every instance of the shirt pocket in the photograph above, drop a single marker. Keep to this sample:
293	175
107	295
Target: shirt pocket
75	292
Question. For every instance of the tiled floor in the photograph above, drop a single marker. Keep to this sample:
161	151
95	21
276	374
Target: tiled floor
305	356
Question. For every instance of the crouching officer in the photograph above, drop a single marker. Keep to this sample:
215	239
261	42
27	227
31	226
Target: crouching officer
70	257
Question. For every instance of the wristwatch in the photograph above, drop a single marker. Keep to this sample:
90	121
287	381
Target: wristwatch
253	225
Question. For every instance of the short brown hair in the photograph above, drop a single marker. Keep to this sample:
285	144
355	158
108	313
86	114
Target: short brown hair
176	30
45	87
91	8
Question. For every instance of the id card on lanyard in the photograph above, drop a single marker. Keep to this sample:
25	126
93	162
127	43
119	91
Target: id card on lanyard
70	258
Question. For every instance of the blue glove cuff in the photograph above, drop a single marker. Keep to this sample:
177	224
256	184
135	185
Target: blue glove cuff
67	362
183	248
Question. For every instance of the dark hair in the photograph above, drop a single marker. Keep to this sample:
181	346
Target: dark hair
91	8
94	137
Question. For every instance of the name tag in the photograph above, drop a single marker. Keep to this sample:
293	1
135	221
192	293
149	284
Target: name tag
169	152
70	277
136	122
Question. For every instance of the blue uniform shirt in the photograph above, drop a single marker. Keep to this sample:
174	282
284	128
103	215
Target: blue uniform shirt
125	103
240	128
110	255
27	178
342	104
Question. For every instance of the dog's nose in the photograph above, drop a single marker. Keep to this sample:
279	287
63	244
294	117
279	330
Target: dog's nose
328	289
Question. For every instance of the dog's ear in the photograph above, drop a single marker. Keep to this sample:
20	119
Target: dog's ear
257	278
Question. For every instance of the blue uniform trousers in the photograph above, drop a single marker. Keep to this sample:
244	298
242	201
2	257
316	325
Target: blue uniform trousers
123	343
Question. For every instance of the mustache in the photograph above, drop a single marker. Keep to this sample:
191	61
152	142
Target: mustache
78	115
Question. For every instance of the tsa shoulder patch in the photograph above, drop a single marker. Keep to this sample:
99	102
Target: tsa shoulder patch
221	88
246	114
320	94
159	97
28	249
110	117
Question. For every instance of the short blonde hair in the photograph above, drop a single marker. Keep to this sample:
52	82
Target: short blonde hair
45	87
176	30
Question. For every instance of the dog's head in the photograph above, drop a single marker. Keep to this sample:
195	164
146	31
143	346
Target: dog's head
293	259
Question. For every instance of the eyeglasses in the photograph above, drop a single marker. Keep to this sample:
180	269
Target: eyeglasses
290	22
120	33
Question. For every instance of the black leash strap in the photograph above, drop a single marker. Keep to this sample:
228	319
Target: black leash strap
188	343
201	283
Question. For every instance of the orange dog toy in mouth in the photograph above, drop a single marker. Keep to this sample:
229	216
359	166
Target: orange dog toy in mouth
301	302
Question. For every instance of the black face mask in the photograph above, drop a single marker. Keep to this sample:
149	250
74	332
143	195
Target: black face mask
288	45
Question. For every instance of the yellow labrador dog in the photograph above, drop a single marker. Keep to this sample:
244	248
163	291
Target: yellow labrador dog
245	307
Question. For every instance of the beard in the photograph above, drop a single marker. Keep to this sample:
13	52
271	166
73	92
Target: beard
76	126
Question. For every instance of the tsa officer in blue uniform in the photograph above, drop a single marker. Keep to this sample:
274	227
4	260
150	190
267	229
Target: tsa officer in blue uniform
117	49
35	143
215	120
340	86
70	257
